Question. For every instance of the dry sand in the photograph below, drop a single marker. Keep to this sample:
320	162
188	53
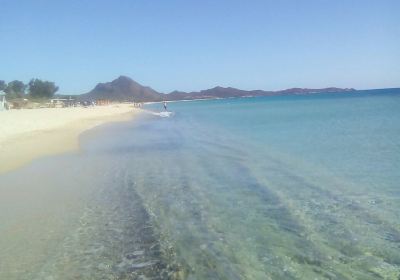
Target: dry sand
29	134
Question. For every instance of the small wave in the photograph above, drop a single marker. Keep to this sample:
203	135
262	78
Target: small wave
163	114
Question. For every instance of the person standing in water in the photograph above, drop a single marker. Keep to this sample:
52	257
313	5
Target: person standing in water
165	105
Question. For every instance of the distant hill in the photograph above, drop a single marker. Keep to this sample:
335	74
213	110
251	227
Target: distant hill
126	89
123	89
221	92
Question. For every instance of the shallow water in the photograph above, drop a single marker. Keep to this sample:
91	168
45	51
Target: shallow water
300	187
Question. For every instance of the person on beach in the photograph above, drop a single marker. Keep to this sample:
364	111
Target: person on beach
165	105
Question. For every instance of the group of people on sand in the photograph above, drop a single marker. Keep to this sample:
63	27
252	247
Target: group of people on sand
139	105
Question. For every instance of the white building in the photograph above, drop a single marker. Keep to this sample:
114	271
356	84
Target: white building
2	100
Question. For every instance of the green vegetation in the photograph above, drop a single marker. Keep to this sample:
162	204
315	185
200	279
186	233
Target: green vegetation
36	89
15	89
3	85
42	89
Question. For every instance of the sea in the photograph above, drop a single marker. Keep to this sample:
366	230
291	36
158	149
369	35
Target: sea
284	187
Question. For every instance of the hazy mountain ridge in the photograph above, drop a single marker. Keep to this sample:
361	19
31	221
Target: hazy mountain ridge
126	89
221	92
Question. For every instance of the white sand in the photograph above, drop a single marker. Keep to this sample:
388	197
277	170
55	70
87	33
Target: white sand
28	134
16	122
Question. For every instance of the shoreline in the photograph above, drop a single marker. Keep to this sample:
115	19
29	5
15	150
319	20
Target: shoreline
26	135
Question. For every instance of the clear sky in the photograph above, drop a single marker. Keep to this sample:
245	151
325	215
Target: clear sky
192	45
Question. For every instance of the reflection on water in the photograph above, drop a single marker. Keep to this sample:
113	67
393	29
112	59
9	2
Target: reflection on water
217	193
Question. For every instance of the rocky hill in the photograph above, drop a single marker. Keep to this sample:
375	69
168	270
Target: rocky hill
123	89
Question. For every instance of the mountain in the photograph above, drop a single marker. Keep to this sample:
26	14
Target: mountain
228	92
122	89
126	89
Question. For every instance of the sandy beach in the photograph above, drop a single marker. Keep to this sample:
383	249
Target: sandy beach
29	134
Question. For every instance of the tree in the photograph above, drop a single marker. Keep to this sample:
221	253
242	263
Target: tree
42	89
3	85
15	89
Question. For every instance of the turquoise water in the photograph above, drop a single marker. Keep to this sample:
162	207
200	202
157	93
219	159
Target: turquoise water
295	187
283	187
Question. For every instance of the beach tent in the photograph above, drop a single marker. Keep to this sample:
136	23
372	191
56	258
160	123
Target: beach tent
2	100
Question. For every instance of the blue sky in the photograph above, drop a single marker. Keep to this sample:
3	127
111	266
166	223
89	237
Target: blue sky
193	45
